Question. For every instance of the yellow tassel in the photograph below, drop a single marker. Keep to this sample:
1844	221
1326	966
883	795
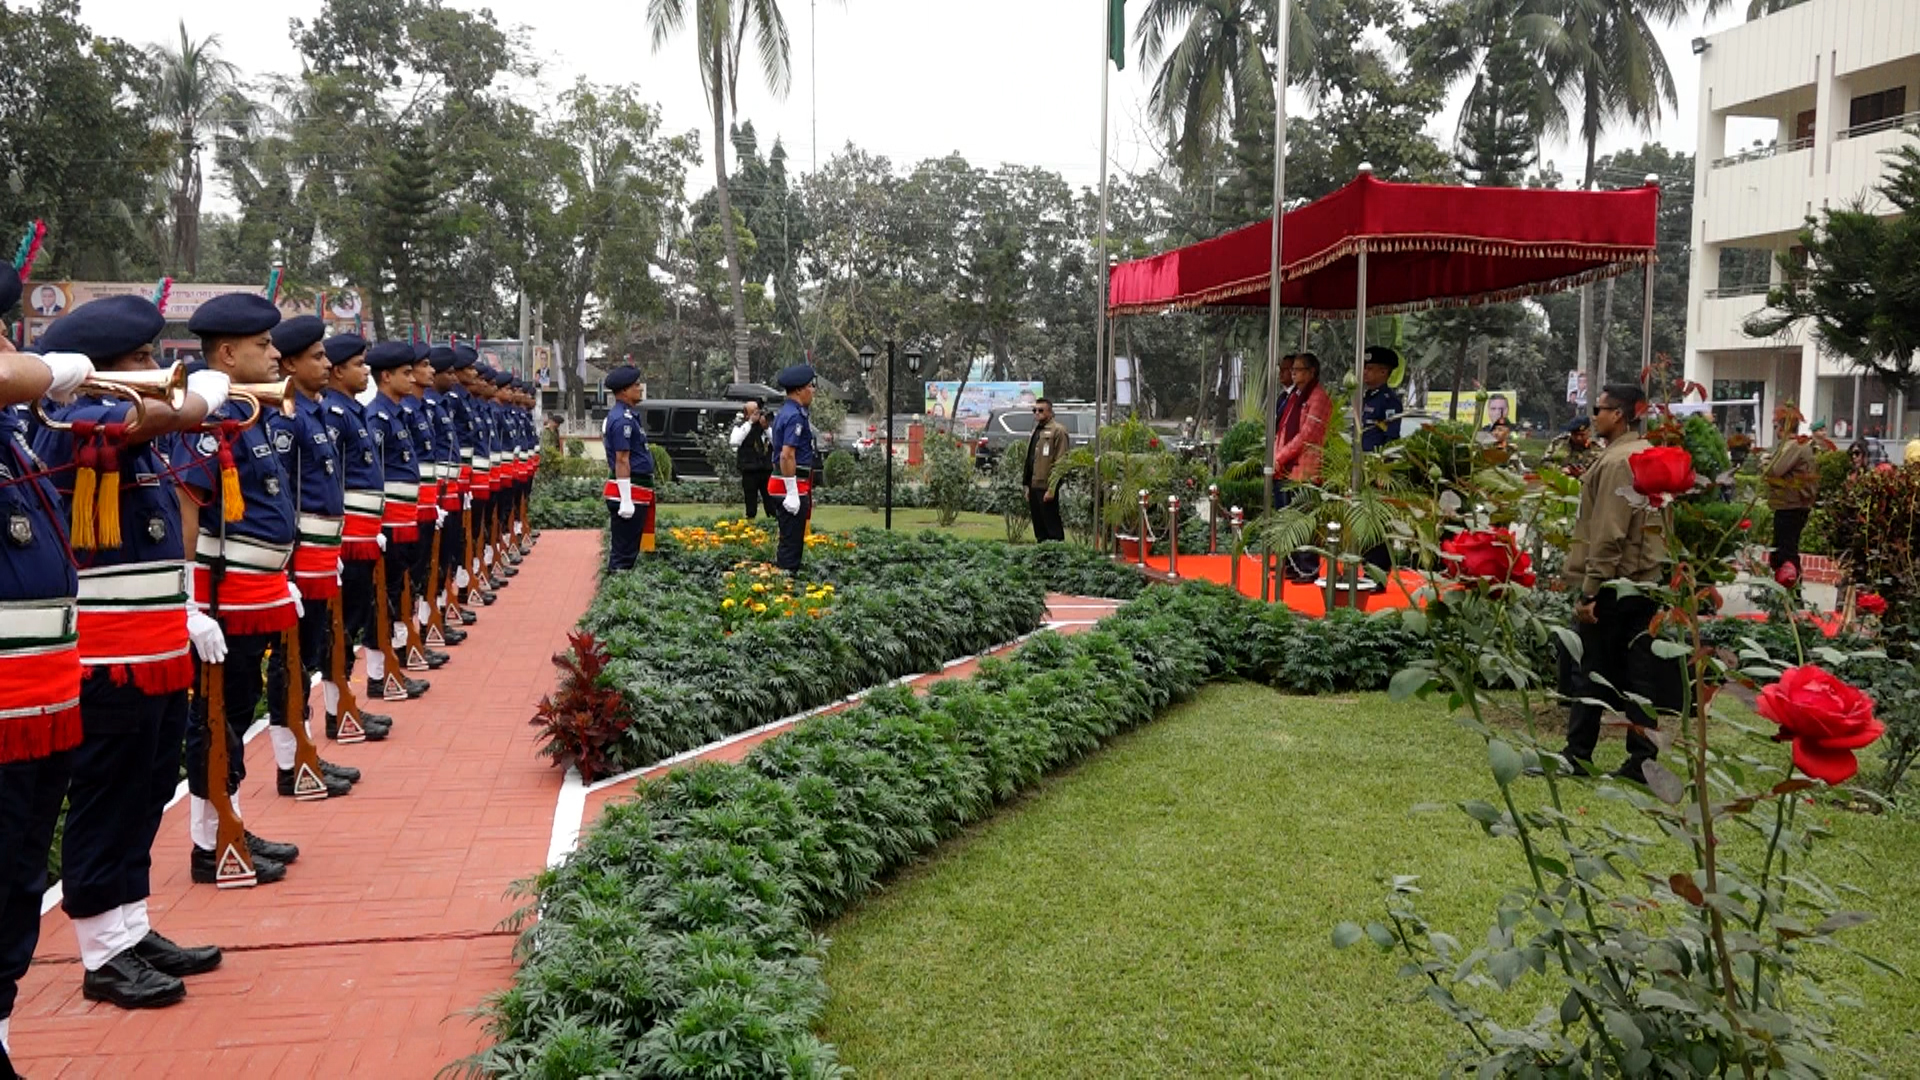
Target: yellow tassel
107	519
85	494
232	507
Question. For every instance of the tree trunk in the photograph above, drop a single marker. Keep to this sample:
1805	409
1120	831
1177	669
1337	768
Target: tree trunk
741	370
1600	332
1459	375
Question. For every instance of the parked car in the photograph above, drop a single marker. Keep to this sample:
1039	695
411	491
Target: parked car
675	426
1013	427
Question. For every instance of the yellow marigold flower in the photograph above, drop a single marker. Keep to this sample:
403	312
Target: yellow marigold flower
759	608
727	603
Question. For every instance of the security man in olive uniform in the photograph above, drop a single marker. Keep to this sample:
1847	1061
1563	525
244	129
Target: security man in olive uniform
1573	452
137	653
312	461
1380	413
794	460
629	465
392	433
240	577
40	721
1616	537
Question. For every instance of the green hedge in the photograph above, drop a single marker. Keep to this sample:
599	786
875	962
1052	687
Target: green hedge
677	940
903	605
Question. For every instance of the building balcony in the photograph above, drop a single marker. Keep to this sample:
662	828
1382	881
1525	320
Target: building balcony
1723	314
1762	193
1859	158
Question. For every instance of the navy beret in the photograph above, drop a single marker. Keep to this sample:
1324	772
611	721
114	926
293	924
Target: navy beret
465	356
389	355
9	287
298	334
344	347
502	379
441	357
1382	355
795	377
103	329
421	351
622	377
234	315
1578	423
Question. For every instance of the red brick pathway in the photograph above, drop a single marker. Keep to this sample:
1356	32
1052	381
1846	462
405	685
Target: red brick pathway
361	961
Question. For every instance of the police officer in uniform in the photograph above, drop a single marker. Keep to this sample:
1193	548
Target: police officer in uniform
312	461
137	655
426	443
242	552
446	460
1380	413
363	543
40	721
1615	538
392	433
457	427
794	459
477	388
629	463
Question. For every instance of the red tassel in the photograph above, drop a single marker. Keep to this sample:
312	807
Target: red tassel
360	550
270	621
157	679
27	738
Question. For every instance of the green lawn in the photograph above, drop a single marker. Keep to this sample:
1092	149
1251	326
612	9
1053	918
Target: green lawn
841	518
1165	908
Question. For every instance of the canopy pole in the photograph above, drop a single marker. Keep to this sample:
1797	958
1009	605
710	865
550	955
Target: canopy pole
1100	322
1646	318
1274	280
1359	359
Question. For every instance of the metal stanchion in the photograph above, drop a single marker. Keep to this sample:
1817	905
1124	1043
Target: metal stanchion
1334	568
1173	536
1213	519
1146	530
1236	522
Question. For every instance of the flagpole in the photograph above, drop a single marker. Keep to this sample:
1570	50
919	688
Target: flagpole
1279	214
1100	393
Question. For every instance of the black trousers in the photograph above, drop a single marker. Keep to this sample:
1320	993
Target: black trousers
793	535
423	556
753	488
623	540
1787	527
1046	516
123	775
401	558
1618	648
356	599
30	797
243	681
316	654
1303	563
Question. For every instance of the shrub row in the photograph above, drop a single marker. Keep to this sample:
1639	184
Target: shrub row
677	940
902	605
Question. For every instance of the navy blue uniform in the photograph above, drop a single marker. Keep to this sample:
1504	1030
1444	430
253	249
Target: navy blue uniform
623	434
793	428
392	431
41	672
363	480
308	452
1379	425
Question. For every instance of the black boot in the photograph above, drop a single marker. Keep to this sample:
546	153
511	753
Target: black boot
435	660
376	727
132	983
467	618
339	772
205	870
171	959
336	787
270	849
453	636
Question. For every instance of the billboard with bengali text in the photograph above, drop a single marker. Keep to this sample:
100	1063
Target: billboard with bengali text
980	400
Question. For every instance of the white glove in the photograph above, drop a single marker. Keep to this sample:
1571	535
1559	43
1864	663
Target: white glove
625	488
69	371
299	609
466	501
339	571
381	539
210	386
208	642
440	518
791	504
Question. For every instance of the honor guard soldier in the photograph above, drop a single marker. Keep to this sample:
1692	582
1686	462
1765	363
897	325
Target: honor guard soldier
427	510
486	391
1614	540
504	463
135	649
479	388
460	407
1380	413
629	465
387	424
446	459
794	459
312	462
456	459
238	504
40	720
363	543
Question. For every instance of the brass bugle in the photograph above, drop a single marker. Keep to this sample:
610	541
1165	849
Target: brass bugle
283	394
169	385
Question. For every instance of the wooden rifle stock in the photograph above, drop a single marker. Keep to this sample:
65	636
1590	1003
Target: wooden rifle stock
347	716
233	863
391	688
307	782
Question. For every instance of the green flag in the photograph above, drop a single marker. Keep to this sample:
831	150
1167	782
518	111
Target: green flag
1117	32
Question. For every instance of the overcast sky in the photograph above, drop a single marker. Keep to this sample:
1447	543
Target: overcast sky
1013	81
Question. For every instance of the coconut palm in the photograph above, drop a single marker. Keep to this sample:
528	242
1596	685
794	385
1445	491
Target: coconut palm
1213	65
720	29
195	93
1481	40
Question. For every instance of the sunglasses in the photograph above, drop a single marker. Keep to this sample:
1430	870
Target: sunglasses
1598	409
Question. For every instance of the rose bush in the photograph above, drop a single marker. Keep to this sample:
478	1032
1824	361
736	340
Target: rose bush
1825	719
1487	555
1871	604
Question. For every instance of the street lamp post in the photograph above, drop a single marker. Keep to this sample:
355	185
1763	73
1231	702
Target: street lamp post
867	357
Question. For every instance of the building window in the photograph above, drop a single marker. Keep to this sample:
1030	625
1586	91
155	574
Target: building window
1874	112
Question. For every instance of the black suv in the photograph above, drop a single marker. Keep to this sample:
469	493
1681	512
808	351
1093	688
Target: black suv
1013	427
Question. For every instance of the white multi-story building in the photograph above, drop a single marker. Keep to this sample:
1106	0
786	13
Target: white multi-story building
1837	82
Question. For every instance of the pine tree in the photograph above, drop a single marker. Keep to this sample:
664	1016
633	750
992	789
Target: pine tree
1497	142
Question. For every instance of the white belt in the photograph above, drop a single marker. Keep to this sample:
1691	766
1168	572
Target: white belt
245	554
320	530
403	490
466	455
138	585
36	624
429	470
366	502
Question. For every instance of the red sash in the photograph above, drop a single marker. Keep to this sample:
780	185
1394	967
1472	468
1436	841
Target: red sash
249	601
641	496
39	701
775	488
316	569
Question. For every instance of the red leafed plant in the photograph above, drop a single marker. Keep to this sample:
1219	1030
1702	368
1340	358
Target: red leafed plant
582	724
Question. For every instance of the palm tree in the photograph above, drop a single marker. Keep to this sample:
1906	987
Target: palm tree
720	30
195	93
1480	40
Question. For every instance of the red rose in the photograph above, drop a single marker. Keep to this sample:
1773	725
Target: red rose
1824	718
1787	575
1662	470
1153	444
1745	524
1490	555
1871	603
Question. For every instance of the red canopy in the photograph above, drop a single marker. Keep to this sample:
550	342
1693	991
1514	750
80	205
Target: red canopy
1427	246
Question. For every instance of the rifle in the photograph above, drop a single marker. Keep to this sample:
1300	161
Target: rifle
307	783
416	657
348	714
232	860
391	689
436	618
